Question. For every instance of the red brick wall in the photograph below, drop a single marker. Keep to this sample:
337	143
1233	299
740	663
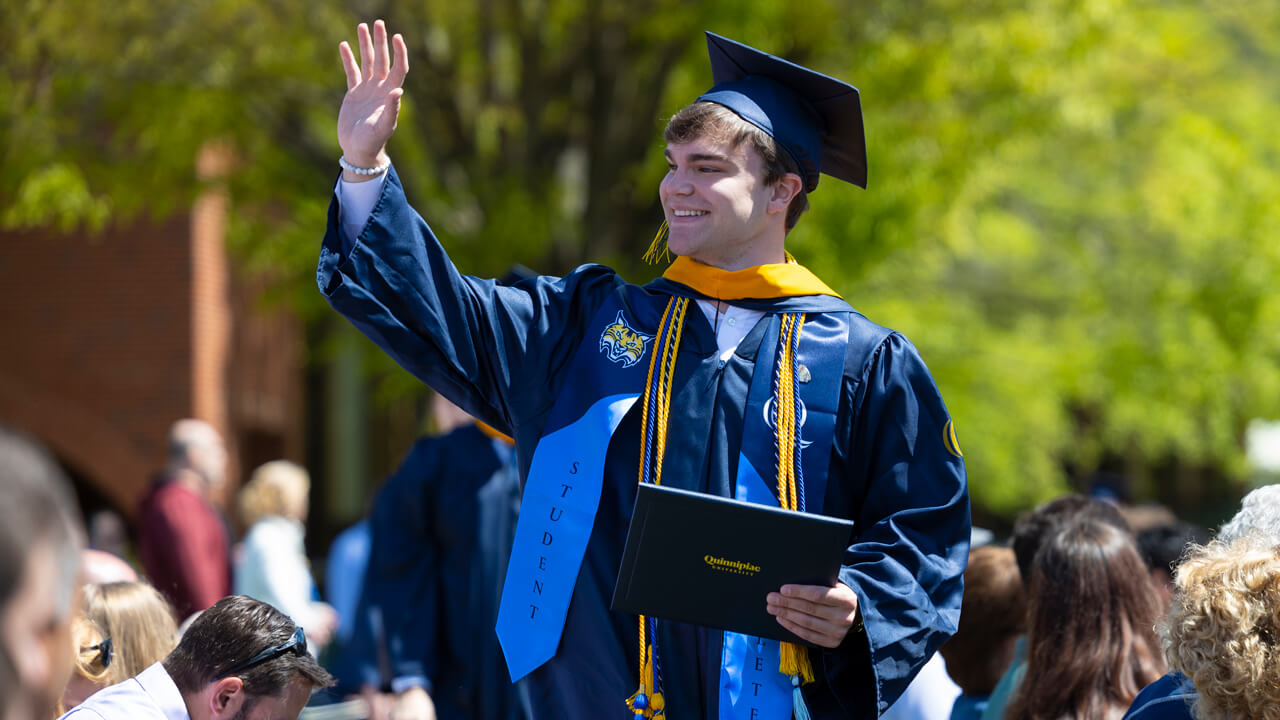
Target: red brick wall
98	346
110	338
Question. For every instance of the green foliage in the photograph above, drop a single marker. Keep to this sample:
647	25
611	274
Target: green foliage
1071	207
1073	215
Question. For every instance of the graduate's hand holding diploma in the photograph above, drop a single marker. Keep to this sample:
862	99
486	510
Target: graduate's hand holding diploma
822	615
372	103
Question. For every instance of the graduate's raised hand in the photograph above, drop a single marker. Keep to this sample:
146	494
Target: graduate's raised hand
821	615
372	104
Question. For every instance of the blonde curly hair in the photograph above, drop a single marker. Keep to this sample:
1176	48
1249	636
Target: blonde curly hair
1223	628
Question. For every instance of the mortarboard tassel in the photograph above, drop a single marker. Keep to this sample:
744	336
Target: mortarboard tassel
658	250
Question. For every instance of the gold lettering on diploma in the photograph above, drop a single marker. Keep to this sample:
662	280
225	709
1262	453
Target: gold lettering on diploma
737	567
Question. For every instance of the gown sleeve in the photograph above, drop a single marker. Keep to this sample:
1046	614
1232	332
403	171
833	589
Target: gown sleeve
495	351
905	487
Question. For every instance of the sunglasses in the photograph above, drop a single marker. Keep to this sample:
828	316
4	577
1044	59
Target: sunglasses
296	645
105	651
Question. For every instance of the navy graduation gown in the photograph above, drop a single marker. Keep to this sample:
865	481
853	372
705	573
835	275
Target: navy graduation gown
502	353
442	527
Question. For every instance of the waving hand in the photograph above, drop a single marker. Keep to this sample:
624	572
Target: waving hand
372	104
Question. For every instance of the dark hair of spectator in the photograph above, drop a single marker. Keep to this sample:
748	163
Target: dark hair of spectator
234	630
992	615
1091	643
1164	546
1033	528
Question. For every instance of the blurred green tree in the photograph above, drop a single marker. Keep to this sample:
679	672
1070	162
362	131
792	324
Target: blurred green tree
1073	214
1071	205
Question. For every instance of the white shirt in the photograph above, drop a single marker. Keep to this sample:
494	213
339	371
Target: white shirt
151	695
355	205
273	568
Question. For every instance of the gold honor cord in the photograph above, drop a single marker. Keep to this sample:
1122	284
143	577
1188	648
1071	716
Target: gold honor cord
794	660
647	702
653	439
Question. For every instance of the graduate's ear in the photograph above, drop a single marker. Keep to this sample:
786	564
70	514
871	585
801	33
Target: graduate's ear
783	192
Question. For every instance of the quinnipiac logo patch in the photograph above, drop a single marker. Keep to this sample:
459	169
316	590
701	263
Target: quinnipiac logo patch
622	343
949	440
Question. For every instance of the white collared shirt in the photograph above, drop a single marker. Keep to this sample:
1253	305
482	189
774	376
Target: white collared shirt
150	695
355	205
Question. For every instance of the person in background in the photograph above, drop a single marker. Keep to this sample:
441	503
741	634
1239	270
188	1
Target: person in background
272	566
98	568
240	660
182	540
1162	547
93	657
1223	631
139	622
40	541
1257	521
930	696
992	618
107	533
442	530
1029	533
344	572
1091	643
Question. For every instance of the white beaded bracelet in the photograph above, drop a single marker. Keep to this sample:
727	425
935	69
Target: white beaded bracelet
364	171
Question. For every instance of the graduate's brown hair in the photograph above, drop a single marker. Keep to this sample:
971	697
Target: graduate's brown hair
717	122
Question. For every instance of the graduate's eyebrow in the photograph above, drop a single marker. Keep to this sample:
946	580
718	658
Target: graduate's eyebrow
701	157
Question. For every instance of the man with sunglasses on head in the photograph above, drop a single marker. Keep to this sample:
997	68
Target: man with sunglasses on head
240	660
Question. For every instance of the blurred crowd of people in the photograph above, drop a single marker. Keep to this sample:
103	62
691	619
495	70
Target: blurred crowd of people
84	635
79	617
1090	610
1094	610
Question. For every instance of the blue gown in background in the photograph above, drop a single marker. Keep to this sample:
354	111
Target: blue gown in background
503	353
442	527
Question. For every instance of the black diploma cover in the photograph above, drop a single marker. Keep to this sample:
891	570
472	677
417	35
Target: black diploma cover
711	561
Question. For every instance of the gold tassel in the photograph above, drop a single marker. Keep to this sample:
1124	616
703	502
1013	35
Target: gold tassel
658	250
648	705
795	661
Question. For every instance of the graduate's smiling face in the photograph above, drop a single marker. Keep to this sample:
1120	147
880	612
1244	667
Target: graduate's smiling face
718	209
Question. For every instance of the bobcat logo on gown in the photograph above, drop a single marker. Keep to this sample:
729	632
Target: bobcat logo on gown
622	343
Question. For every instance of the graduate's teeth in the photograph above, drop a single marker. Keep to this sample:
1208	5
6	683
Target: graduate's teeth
688	213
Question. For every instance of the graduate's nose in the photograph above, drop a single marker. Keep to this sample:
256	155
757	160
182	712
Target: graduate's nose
676	182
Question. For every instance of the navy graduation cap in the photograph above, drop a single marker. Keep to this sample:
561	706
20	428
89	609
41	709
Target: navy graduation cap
816	118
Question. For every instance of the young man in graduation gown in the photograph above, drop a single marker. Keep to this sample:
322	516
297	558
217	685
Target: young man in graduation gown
738	373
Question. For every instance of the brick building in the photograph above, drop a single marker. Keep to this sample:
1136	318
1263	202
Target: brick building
109	338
